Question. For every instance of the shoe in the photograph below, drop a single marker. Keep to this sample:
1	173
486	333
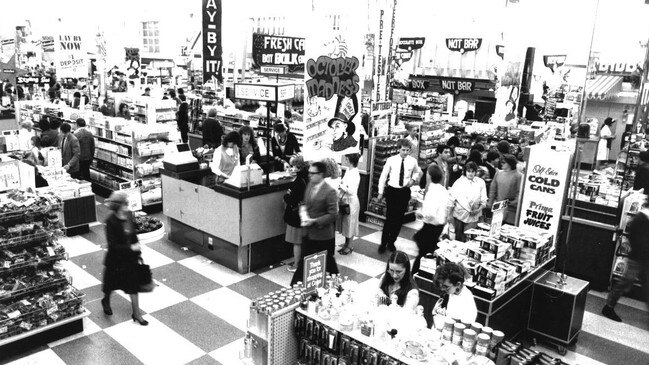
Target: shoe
106	306
381	249
345	250
291	268
142	321
392	247
609	313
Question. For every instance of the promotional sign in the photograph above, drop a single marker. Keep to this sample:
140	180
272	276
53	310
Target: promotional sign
47	43
332	76
401	56
463	45
410	44
498	213
212	42
314	271
457	86
500	51
132	58
278	50
31	80
9	176
617	68
133	194
546	180
71	58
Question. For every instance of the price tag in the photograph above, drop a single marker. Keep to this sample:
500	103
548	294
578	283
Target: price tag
14	314
25	302
3	329
50	251
6	264
52	310
54	316
26	325
42	323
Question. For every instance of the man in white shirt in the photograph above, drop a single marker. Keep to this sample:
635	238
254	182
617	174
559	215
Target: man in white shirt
412	138
434	214
399	174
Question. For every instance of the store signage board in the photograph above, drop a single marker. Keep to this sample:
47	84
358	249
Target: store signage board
410	44
264	92
546	180
9	70
71	56
212	41
9	175
457	86
500	51
554	61
272	50
314	271
463	45
28	80
274	70
498	210
133	195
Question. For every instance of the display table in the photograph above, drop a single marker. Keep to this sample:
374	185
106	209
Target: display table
240	229
508	312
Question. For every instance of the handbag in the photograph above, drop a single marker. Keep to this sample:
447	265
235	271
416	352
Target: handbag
343	206
144	278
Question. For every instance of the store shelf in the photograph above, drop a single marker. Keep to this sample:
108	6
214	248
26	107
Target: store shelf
116	153
107	173
127	169
23	240
114	141
50	326
35	288
32	263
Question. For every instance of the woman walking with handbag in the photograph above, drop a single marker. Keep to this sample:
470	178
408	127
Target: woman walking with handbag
293	198
123	255
349	206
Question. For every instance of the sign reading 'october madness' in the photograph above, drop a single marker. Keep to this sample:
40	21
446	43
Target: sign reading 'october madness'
212	46
278	50
332	76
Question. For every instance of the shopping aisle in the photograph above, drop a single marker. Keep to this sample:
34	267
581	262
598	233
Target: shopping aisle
198	313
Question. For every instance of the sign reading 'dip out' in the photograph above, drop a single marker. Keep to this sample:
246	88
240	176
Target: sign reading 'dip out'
463	44
263	92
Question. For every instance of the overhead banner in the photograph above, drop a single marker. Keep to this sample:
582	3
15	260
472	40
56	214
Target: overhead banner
463	45
71	57
544	188
212	41
277	51
333	75
410	44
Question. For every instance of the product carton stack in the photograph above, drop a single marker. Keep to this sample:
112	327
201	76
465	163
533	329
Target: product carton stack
494	263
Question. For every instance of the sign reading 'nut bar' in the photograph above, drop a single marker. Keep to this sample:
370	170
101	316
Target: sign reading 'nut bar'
457	86
463	45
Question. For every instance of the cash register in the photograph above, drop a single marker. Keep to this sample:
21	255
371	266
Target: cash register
246	175
180	159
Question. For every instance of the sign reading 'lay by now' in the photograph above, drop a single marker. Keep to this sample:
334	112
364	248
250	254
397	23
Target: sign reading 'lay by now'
463	45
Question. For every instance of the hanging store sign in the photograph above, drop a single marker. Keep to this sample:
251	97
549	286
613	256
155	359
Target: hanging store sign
31	80
9	70
71	57
278	50
457	86
463	45
263	92
546	179
410	44
47	43
401	56
273	70
617	68
554	61
500	51
212	42
332	76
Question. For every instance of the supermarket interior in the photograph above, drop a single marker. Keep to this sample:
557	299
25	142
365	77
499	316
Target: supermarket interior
289	182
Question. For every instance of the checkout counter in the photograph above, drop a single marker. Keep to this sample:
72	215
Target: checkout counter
241	228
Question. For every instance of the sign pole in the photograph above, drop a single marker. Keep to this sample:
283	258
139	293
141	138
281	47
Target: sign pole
268	136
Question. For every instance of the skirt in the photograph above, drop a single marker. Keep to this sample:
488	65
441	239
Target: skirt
294	235
347	224
120	278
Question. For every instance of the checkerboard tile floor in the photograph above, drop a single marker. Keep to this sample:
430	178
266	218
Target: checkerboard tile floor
198	312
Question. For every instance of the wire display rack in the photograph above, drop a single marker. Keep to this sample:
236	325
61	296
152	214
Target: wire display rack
280	347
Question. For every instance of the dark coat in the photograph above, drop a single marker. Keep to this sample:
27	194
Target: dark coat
323	207
642	178
70	152
86	143
212	133
294	198
292	147
50	138
120	260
